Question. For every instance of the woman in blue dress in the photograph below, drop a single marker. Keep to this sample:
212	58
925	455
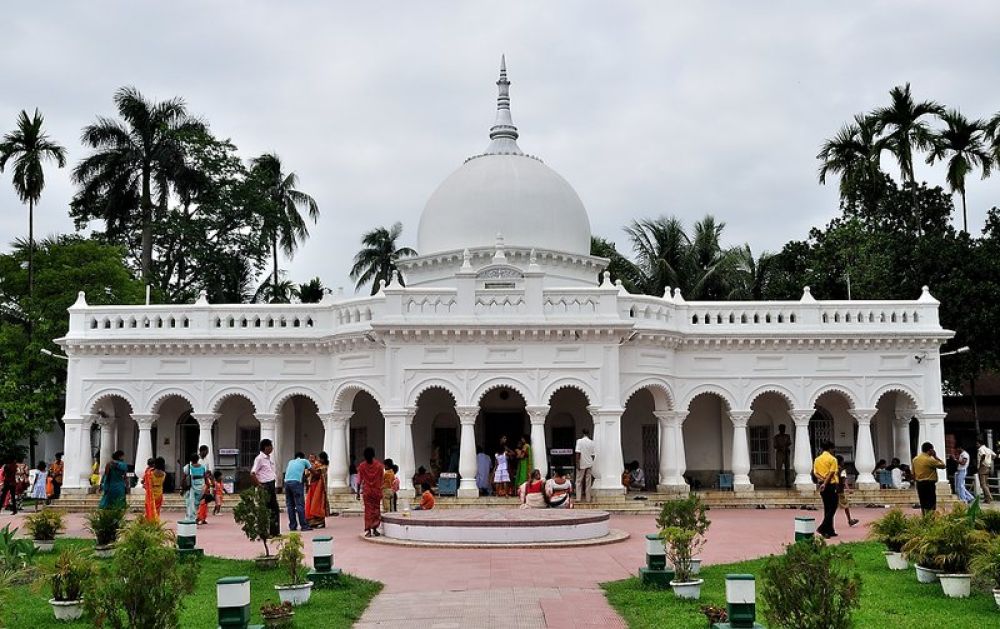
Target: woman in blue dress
194	482
114	482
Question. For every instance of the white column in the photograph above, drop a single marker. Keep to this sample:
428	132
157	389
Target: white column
333	443
802	453
539	449
668	456
934	432
610	461
77	432
677	423
864	451
901	435
144	449
107	425
269	430
408	467
205	423
741	451
467	451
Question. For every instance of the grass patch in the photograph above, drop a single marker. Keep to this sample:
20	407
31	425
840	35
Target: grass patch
889	600
340	607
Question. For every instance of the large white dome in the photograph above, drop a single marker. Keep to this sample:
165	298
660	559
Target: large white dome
504	191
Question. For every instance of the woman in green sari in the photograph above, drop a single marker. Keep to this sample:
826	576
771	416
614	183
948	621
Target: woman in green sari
523	455
114	482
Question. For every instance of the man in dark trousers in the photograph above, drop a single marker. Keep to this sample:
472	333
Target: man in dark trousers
925	467
263	474
826	471
782	451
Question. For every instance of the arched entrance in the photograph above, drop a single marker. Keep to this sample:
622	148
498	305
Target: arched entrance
567	419
641	441
367	426
436	431
111	415
236	429
708	442
502	418
770	417
299	428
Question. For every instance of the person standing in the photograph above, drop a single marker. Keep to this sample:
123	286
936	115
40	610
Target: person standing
782	454
114	482
585	455
523	457
317	505
263	475
152	482
295	501
8	484
483	466
925	467
826	471
370	475
961	472
56	471
39	485
984	465
843	489
388	478
193	486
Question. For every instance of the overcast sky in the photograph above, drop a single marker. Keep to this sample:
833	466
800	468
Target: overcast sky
645	108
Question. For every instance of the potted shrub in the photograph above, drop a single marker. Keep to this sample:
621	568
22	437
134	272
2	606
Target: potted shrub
297	590
891	530
277	614
811	586
105	524
915	550
948	546
67	577
685	513
681	546
43	526
986	566
16	557
254	517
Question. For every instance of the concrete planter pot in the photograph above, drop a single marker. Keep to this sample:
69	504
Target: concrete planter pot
44	545
295	594
956	585
896	561
66	610
687	589
695	566
266	563
927	575
104	552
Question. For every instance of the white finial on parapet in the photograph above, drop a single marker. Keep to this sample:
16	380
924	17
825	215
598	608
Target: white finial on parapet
499	257
607	280
202	298
466	260
666	293
677	296
621	287
381	287
925	296
807	295
394	280
503	133
81	300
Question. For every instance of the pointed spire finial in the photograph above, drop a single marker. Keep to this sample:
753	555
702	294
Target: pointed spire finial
503	133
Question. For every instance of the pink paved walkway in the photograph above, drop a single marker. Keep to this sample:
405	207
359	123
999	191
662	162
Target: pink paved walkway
548	587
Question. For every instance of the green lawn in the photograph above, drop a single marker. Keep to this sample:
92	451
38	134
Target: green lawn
341	607
889	600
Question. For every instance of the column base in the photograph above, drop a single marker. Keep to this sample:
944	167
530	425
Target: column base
618	492
340	490
466	492
674	488
866	486
805	488
742	488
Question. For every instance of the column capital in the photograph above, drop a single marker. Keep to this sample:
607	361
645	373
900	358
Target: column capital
74	420
337	417
205	420
145	421
395	415
537	414
103	420
467	414
740	418
608	413
862	415
672	418
801	416
266	418
931	418
904	415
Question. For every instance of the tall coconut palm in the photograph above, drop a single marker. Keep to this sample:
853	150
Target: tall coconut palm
904	126
29	146
378	257
282	223
992	135
853	153
963	143
132	155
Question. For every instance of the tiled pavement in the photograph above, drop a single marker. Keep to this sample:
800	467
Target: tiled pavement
433	587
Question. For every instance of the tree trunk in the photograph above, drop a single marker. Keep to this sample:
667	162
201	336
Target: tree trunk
965	214
31	248
274	277
146	263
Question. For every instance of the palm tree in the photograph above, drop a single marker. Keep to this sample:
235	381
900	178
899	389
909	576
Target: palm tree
312	292
749	274
132	155
280	292
904	128
992	133
378	257
29	146
962	142
854	153
282	223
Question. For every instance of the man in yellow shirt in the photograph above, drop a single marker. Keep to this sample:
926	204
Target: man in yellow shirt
825	469
925	467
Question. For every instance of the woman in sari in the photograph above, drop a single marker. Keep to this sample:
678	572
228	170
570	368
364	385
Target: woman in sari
194	483
559	491
114	482
152	481
316	500
534	496
523	454
370	475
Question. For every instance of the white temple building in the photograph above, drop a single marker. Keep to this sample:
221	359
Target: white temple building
507	326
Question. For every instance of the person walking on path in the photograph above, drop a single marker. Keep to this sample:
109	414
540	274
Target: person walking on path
984	465
844	488
925	467
317	506
295	501
961	472
523	454
263	475
370	476
56	471
782	452
825	470
114	482
585	454
152	482
193	486
207	496
39	488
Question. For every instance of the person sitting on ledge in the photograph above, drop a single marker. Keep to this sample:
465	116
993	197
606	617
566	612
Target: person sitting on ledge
637	478
426	498
533	496
559	491
423	476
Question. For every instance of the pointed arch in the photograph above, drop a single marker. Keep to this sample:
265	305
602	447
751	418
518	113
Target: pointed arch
434	383
852	399
231	392
782	392
289	392
900	389
161	396
663	397
343	396
107	394
713	389
569	383
496	383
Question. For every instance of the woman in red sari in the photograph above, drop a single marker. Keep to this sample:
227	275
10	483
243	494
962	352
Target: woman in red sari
317	506
152	483
370	474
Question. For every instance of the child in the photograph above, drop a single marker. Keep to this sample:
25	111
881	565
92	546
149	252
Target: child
426	498
352	480
388	480
207	496
219	490
395	487
842	490
501	475
39	489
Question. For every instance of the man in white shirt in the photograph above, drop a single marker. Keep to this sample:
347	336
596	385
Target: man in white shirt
962	460
585	455
897	478
263	474
984	465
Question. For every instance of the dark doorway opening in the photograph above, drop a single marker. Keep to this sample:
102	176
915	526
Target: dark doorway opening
510	424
